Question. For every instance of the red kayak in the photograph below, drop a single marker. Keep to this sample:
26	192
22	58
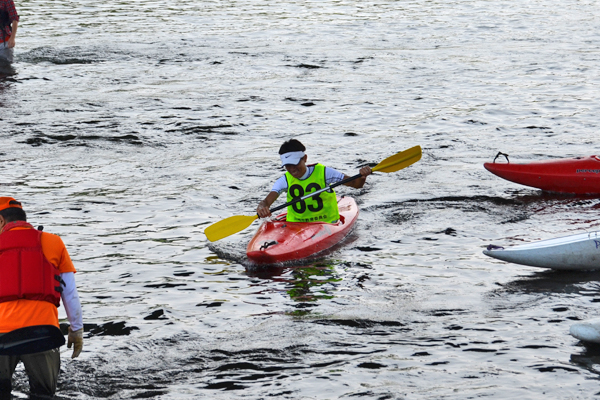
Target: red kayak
579	175
279	241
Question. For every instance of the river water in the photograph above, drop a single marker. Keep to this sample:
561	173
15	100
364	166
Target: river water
128	127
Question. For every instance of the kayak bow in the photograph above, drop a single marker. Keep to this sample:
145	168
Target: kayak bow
574	252
280	241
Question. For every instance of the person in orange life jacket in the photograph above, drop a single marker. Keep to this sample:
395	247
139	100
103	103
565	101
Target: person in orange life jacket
24	303
301	179
9	21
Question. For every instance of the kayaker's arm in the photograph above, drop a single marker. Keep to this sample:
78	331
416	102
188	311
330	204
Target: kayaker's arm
359	182
263	207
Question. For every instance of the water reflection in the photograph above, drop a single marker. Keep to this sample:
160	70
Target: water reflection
589	358
584	283
303	284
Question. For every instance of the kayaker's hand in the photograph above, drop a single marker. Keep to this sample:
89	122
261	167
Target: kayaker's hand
263	210
366	171
75	339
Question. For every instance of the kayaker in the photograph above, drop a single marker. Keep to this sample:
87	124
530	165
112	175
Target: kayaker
44	253
9	20
301	179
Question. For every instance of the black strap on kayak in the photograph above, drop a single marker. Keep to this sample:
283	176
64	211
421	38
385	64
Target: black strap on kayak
265	245
502	154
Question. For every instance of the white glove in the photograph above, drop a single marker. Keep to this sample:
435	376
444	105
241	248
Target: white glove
75	339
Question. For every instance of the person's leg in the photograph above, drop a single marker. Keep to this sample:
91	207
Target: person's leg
42	370
6	54
7	368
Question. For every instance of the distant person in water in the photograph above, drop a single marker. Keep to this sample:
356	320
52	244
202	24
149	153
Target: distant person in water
9	21
302	179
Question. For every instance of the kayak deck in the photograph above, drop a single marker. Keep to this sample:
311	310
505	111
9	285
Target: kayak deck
579	175
279	241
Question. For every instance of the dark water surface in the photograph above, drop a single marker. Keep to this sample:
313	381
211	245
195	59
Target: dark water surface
128	127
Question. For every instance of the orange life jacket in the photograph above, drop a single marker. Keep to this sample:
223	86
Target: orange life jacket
25	273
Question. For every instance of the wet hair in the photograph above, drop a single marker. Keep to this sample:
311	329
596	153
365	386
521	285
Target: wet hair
291	145
13	214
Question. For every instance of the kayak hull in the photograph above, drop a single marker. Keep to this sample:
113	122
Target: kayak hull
586	331
575	253
579	175
280	241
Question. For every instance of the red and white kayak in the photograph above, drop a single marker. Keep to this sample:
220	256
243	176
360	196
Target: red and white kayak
279	241
579	175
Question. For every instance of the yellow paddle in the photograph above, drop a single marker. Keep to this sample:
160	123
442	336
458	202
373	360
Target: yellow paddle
237	223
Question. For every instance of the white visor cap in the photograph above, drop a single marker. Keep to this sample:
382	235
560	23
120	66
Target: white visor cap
293	157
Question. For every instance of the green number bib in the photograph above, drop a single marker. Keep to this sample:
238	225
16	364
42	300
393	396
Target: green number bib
320	208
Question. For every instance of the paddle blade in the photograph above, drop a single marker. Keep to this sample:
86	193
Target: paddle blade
32	339
399	160
228	226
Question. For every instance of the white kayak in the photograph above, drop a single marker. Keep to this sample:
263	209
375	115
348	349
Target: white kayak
586	331
575	252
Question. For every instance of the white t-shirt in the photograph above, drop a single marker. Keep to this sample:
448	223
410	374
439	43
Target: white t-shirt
331	176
